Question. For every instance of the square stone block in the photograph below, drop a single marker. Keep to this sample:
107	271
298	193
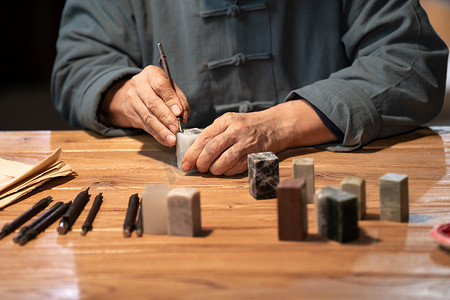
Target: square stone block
183	212
154	208
357	186
292	210
321	210
184	140
304	168
263	175
342	217
394	200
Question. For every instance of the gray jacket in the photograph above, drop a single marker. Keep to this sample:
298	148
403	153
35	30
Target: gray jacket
370	68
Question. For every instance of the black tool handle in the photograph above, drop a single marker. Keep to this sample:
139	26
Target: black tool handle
37	221
33	232
26	216
73	212
139	224
87	226
130	219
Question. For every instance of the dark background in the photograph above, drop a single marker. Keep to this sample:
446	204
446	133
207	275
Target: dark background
29	29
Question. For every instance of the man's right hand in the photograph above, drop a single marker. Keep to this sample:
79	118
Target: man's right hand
146	101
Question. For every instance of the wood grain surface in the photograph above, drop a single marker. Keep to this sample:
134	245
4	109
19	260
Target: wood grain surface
238	255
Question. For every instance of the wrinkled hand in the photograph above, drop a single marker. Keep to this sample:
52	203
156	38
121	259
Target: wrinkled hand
222	147
147	101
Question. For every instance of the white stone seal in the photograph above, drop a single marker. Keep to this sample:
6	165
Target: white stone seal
184	140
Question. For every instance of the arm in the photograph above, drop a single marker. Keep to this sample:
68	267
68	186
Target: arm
88	61
396	80
222	148
98	80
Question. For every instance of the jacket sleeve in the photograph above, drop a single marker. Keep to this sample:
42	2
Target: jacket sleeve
396	75
89	60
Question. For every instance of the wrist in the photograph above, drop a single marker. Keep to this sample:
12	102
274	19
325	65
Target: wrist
301	125
110	111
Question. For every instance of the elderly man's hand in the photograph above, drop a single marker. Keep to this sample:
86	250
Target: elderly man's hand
222	147
146	101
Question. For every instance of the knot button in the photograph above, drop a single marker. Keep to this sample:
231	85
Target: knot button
233	10
239	59
245	106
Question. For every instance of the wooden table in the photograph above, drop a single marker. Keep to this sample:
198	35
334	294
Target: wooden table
240	255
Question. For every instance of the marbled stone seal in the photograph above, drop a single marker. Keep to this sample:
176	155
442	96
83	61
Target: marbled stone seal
263	175
321	210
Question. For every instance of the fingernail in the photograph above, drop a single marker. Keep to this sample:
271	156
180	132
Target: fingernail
170	139
176	110
186	166
173	128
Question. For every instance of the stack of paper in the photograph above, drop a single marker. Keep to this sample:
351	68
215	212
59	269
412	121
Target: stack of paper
18	179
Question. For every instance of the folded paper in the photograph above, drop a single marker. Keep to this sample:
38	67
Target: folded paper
18	179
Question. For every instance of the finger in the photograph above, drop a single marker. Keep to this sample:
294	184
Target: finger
240	167
157	130
141	117
227	159
216	148
184	102
153	103
157	108
190	157
163	88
